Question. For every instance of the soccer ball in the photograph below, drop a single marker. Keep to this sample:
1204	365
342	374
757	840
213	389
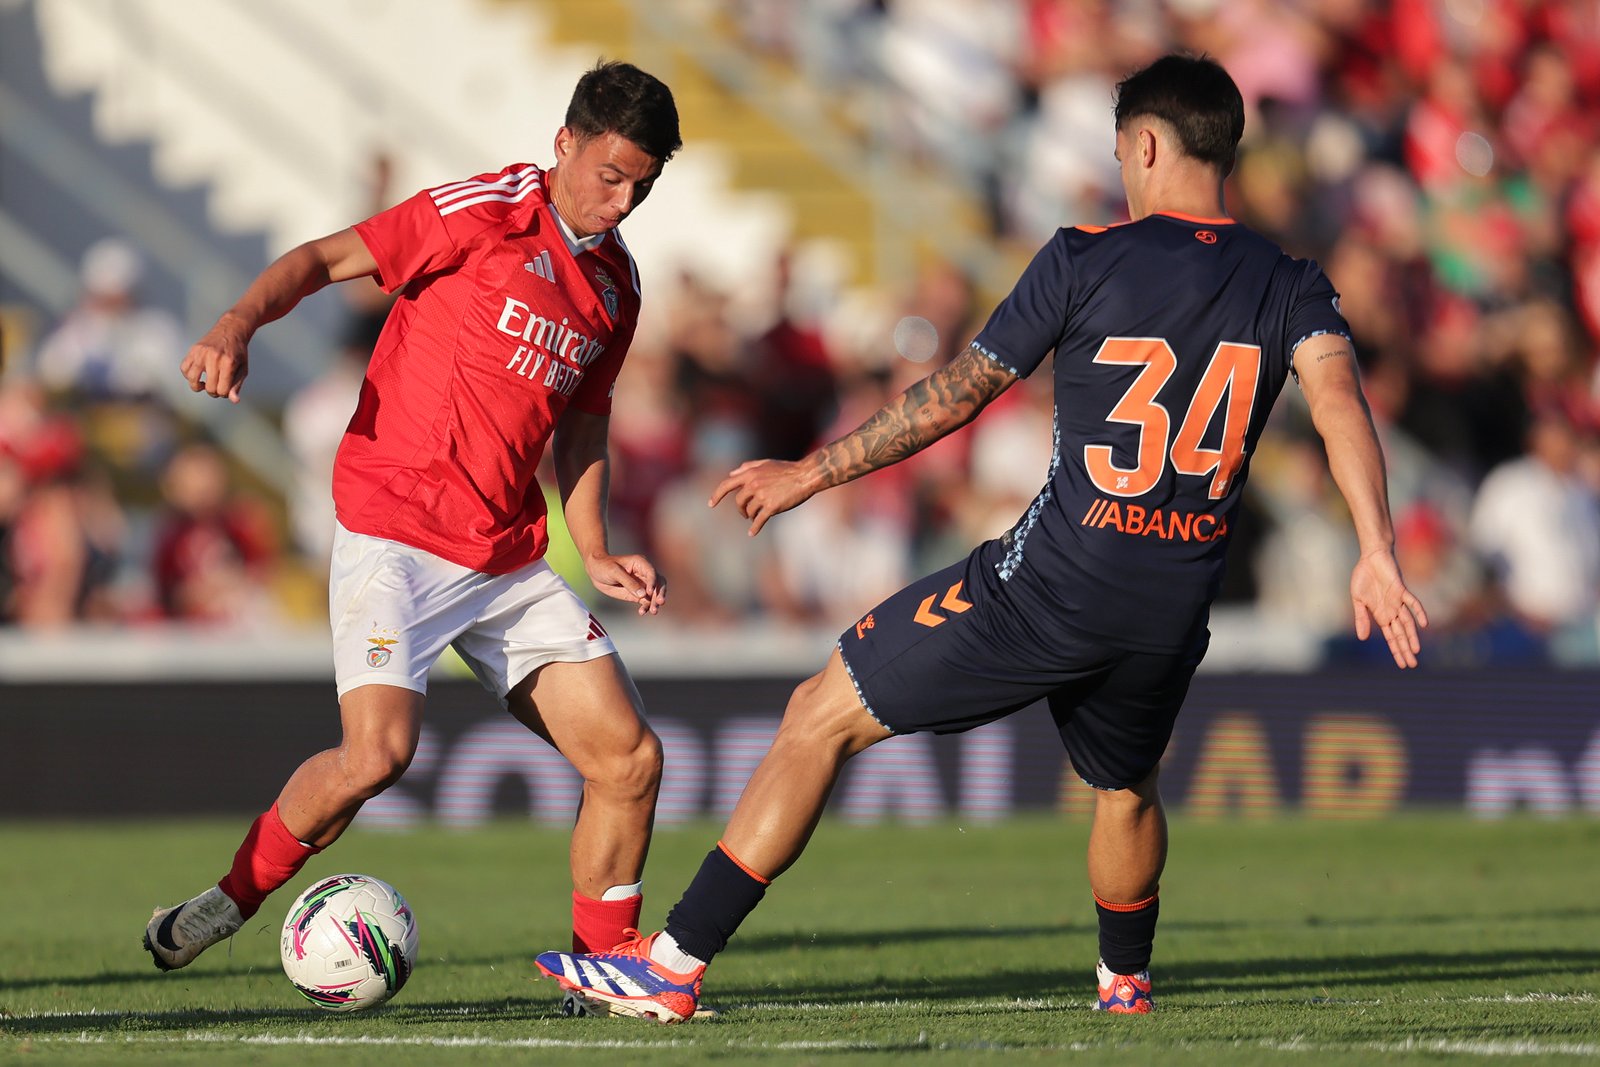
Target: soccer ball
349	942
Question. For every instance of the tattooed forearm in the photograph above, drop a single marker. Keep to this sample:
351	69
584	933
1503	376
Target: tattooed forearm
939	404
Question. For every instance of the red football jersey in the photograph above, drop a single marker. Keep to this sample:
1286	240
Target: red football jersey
499	327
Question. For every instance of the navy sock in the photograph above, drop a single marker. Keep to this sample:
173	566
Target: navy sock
723	892
1127	934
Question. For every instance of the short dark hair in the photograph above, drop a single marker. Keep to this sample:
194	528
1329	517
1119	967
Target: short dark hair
1193	95
620	98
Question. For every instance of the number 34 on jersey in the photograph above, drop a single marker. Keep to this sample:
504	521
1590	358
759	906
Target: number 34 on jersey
1229	379
1228	385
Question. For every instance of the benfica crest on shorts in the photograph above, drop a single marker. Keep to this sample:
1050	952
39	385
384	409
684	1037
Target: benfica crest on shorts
378	654
608	292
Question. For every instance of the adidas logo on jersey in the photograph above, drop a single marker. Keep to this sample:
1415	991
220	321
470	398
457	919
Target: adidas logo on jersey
541	266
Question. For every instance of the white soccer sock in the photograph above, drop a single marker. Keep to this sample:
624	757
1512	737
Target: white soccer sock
623	892
666	952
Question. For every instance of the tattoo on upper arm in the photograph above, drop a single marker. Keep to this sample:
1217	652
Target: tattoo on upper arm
1337	352
944	401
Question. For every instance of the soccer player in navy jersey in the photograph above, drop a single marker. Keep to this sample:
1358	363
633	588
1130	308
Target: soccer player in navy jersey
1173	335
517	303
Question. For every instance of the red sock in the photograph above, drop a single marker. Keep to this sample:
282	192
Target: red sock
598	925
267	858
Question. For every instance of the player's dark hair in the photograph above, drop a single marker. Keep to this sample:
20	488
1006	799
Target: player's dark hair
620	98
1193	95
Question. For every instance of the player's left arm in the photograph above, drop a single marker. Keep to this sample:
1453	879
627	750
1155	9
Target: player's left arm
583	472
1326	367
934	407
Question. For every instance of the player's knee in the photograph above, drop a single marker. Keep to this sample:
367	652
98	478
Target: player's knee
820	716
632	773
1134	801
805	713
372	768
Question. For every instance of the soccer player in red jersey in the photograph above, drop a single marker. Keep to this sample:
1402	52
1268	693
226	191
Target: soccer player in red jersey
1173	335
517	303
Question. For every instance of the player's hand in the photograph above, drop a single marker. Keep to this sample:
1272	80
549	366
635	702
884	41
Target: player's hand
763	488
630	578
219	362
1380	598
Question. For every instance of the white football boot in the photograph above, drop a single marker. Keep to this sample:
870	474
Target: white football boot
178	934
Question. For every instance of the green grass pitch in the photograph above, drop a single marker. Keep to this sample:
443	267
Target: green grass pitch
1422	939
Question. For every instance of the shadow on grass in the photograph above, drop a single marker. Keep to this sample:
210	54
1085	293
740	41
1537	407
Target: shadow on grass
785	941
1365	972
1301	978
311	1019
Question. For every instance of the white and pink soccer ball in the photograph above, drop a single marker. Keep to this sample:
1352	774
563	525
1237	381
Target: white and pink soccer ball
349	942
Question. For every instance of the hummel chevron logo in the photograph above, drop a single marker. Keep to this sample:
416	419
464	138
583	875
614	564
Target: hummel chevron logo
540	265
952	602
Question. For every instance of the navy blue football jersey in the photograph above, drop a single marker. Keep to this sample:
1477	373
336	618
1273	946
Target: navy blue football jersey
1173	337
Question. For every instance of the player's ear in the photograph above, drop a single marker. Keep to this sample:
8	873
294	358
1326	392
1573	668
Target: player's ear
1147	146
566	141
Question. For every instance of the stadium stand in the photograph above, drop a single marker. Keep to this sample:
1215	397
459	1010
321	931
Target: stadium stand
1443	165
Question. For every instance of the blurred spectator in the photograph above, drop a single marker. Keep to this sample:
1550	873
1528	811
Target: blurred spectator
1270	184
213	548
109	346
13	490
836	557
115	358
790	374
1303	567
60	529
830	38
704	349
1066	171
945	296
1445	132
1439	569
951	63
1583	228
315	416
369	305
708	555
649	446
1537	523
1012	446
1466	410
314	422
1546	352
1272	50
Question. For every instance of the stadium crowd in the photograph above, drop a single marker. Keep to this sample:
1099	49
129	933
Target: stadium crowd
1441	159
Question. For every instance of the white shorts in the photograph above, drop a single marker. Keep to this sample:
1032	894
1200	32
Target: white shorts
394	608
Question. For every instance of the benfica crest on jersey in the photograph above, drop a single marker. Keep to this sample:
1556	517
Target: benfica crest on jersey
608	292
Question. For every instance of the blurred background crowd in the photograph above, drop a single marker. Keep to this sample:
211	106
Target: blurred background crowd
1440	158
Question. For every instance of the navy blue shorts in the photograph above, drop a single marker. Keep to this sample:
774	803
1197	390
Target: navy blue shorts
954	650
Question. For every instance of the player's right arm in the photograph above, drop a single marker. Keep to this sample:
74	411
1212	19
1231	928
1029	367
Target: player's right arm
219	361
934	407
1326	366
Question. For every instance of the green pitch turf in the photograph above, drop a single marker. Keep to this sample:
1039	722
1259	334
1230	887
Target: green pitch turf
1424	939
